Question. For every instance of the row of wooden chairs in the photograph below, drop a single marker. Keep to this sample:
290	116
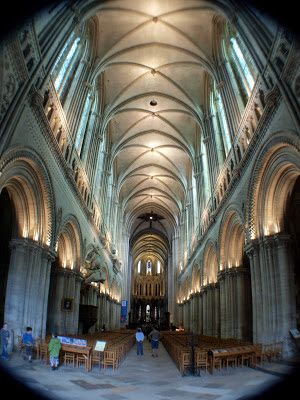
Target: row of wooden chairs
270	352
118	343
181	355
75	359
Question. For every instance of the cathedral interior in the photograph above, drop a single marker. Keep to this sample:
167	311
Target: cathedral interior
149	162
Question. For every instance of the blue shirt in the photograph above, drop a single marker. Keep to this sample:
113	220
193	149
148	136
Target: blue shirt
28	339
139	336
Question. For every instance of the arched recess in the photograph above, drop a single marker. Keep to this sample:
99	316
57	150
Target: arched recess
105	287
66	279
196	279
69	244
234	277
187	288
25	181
180	293
210	272
273	181
274	185
232	239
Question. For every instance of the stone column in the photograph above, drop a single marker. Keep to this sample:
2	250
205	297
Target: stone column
205	311
27	287
286	287
252	250
200	309
222	294
216	328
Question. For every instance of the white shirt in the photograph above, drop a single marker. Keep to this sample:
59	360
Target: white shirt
139	336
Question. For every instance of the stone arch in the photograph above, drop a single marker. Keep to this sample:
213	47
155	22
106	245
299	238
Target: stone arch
196	279
27	181
113	289
210	265
104	287
187	288
277	168
231	239
69	243
180	293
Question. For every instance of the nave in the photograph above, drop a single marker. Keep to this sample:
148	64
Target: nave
148	378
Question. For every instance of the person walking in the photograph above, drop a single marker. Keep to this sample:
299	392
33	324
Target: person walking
28	341
155	335
54	350
139	341
4	341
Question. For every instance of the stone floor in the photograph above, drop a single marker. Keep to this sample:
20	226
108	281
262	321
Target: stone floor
146	378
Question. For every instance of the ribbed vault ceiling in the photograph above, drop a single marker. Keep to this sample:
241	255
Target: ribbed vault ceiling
153	57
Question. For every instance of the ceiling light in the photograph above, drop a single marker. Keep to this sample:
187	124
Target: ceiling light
153	103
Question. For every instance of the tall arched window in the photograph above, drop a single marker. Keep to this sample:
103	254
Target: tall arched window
205	172
68	59
149	265
223	123
158	267
218	134
139	267
83	123
242	65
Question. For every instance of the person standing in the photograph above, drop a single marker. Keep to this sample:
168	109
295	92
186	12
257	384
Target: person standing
155	335
139	341
4	341
54	350
28	341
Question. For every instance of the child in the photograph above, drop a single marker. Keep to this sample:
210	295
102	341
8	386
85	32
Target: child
28	341
54	349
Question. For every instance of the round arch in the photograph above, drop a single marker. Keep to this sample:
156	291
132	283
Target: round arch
276	172
232	239
210	270
69	243
27	181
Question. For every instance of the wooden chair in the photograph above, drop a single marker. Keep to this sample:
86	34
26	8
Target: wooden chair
259	353
69	358
44	351
245	358
185	361
110	359
231	359
96	358
216	363
201	360
278	351
82	359
36	348
21	346
267	352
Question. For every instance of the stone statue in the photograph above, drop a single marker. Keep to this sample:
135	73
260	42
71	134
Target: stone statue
94	269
